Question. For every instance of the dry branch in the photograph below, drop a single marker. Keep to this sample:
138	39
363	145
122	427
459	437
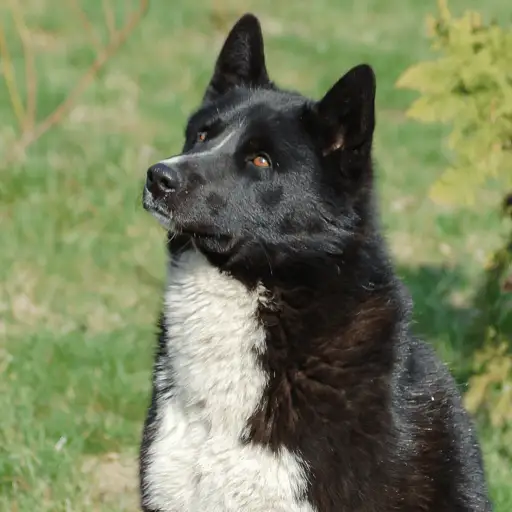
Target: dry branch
30	69
10	80
95	40
109	17
30	130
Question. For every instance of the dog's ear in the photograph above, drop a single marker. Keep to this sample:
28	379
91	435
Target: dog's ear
345	116
241	60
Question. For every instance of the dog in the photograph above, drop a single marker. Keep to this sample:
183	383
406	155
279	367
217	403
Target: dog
286	377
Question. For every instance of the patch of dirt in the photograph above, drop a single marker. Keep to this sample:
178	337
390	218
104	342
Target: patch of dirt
19	300
113	481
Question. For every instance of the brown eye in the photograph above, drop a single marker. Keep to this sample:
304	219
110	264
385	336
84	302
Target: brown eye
201	136
261	161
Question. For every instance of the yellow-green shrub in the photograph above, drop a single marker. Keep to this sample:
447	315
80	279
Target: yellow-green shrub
469	87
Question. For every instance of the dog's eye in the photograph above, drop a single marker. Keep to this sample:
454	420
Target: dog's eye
202	136
261	161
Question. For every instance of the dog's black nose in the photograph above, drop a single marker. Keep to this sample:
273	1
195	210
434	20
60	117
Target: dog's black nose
162	179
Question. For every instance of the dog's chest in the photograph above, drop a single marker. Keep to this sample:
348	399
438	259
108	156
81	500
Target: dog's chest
197	460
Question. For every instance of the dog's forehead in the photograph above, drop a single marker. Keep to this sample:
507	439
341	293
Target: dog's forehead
264	114
244	106
264	104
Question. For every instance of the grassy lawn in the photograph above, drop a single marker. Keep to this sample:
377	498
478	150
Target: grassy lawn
81	264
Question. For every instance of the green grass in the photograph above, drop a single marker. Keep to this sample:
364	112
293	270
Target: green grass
81	264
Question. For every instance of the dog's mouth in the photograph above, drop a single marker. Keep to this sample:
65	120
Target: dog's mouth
207	234
162	215
200	233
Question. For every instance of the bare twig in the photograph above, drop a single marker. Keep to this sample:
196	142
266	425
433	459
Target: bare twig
30	70
109	17
95	40
10	79
103	55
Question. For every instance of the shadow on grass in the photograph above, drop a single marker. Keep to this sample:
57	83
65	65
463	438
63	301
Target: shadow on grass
437	316
463	326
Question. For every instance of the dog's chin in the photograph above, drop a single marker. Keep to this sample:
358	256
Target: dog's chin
162	215
204	238
164	220
207	241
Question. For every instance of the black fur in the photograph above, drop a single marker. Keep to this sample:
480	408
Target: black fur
373	412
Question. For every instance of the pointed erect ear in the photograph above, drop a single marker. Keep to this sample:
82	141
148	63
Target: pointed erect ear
241	60
346	114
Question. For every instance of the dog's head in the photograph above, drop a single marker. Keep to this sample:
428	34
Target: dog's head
266	172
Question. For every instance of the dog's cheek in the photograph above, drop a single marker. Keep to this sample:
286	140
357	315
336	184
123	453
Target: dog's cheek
270	196
216	203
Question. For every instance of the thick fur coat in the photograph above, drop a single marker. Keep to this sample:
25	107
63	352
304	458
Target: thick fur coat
286	376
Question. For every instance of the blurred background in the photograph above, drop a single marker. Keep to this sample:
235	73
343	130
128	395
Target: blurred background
92	92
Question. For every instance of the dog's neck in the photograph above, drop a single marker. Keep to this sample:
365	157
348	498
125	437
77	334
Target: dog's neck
213	341
324	290
227	342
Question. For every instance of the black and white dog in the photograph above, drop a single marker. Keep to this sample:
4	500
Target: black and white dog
286	376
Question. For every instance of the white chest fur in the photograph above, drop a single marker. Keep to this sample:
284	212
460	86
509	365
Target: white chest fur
197	462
